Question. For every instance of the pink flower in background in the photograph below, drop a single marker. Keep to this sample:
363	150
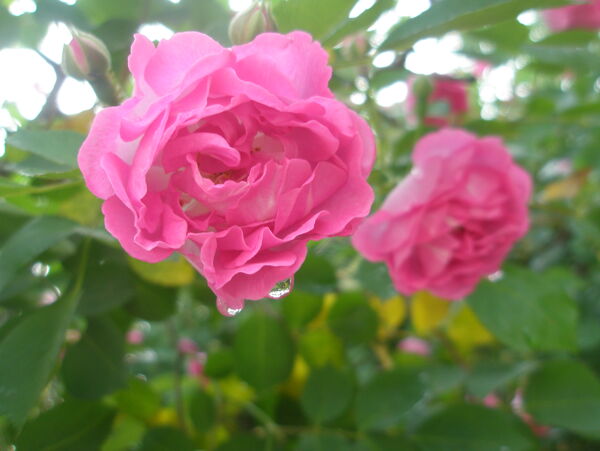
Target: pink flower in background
414	345
491	400
187	346
447	94
135	337
586	16
235	158
453	219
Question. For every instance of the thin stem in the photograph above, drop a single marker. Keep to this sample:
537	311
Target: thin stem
260	415
179	407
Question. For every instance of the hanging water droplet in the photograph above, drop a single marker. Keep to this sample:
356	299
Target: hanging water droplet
495	277
233	311
282	289
226	310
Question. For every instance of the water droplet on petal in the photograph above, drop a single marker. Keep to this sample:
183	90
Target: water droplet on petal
233	311
225	309
495	277
282	289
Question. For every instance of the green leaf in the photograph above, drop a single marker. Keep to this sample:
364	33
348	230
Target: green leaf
567	394
528	311
263	351
98	295
219	363
375	278
473	428
166	439
301	308
359	23
320	347
384	401
316	276
459	15
152	302
327	394
9	28
352	318
71	426
29	352
244	441
203	411
322	442
487	377
94	366
138	399
30	241
126	434
317	17
57	146
381	442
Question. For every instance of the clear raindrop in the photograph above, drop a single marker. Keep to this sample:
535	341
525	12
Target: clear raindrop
233	311
495	277
39	269
282	289
226	310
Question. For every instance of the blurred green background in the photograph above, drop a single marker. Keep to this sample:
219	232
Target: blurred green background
99	351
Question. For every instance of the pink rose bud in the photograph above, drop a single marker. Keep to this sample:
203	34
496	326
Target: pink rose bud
195	368
453	219
85	57
187	346
135	337
492	401
439	99
248	24
414	345
584	16
234	157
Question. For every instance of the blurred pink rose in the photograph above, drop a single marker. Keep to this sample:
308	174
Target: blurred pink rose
135	337
454	217
414	345
447	93
491	400
187	346
481	67
195	368
235	158
586	16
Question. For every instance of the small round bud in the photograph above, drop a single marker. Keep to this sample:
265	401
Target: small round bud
85	57
246	25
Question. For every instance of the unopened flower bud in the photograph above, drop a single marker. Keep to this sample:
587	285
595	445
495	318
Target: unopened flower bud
246	25
86	57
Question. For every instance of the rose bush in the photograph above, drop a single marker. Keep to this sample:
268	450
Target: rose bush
453	219
234	157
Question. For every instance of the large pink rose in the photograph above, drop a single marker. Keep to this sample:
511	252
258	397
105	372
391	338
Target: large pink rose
586	16
235	158
453	219
448	94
